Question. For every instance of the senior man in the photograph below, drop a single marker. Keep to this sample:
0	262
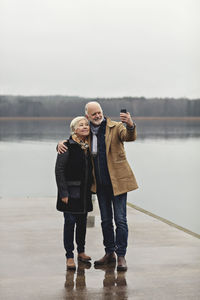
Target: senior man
113	178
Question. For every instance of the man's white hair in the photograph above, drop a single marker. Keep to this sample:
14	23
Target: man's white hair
75	121
86	106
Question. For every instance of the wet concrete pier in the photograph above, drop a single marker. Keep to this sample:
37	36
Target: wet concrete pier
163	262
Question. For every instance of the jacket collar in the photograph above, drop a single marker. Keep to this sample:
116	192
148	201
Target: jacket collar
110	123
71	141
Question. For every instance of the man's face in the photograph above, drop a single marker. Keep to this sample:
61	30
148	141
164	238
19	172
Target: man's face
94	113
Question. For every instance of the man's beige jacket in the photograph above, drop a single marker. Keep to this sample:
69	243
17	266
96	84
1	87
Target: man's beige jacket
121	175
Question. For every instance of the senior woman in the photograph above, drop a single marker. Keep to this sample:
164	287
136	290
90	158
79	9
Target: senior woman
74	179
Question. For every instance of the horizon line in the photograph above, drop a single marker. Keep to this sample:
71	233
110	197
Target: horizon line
97	97
144	118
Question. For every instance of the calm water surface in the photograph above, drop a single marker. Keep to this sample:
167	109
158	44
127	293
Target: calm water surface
165	159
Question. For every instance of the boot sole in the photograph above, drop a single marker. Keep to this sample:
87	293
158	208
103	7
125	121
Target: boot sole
96	263
71	267
121	268
84	260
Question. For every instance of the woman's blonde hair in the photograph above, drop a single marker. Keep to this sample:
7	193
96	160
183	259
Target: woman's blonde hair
74	123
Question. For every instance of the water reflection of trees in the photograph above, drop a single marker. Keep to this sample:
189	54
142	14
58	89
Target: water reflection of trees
54	130
167	129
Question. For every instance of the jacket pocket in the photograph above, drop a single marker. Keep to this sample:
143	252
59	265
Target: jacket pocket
74	189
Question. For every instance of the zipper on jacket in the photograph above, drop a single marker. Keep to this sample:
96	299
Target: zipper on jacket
98	169
85	183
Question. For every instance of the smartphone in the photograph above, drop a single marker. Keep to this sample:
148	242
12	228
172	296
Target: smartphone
123	110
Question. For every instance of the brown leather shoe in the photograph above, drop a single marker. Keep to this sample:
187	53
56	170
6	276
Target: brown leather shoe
83	257
106	259
121	264
71	264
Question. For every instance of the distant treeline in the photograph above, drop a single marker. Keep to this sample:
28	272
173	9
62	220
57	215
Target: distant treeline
66	106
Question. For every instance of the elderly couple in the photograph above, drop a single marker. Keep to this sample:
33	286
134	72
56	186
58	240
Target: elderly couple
93	160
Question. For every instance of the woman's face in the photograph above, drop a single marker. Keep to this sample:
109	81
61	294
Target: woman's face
82	129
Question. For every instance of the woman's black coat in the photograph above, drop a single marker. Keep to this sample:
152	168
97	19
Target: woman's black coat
74	179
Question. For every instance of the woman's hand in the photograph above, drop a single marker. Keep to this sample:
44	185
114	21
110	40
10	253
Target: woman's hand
61	148
65	200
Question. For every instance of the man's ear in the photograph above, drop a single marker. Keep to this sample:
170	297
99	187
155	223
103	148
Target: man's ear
87	117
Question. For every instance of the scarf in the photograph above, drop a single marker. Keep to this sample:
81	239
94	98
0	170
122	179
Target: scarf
84	145
94	130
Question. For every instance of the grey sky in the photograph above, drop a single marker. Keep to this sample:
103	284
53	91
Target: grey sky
97	48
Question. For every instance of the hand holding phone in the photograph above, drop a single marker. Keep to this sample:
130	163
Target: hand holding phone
123	110
126	118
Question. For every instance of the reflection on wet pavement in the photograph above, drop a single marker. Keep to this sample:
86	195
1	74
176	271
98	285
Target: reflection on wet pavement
114	283
77	279
33	263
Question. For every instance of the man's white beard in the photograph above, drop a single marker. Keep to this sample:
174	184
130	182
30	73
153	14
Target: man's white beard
97	122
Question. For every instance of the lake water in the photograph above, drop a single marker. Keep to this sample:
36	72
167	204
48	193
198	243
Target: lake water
165	159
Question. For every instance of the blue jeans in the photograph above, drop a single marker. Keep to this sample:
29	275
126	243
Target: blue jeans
109	204
80	220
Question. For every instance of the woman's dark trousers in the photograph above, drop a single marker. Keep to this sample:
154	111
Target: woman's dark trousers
70	221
